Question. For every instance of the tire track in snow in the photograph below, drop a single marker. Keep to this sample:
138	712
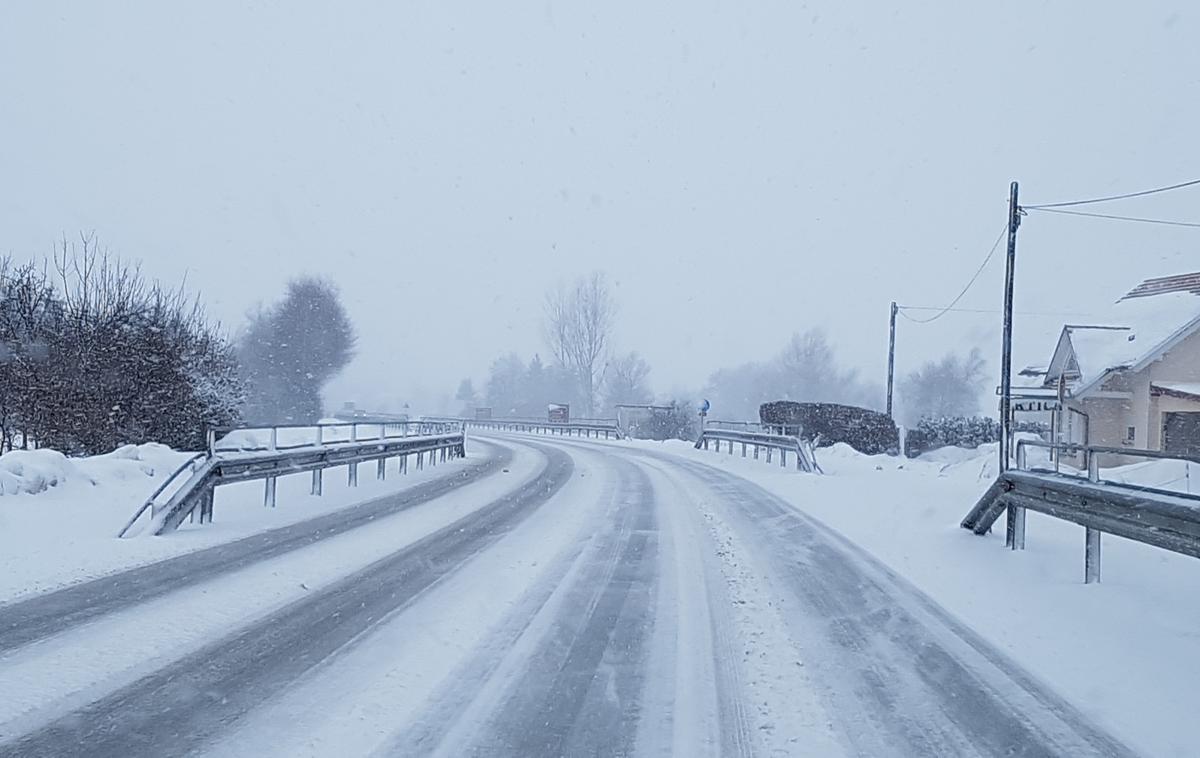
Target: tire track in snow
903	675
178	708
28	620
580	689
765	703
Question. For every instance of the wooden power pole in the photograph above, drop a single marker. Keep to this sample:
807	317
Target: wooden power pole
891	359
1014	533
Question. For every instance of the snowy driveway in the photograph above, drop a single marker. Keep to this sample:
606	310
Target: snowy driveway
585	599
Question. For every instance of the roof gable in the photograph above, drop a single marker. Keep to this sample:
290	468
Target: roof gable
1140	328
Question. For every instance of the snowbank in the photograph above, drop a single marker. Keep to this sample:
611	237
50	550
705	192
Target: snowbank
30	472
59	516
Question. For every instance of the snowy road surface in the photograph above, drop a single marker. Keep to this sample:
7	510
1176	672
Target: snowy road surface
566	598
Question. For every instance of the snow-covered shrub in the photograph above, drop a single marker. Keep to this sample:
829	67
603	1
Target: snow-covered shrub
960	431
96	356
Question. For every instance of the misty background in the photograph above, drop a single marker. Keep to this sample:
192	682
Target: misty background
740	174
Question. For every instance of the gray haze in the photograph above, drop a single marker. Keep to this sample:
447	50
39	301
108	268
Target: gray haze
446	165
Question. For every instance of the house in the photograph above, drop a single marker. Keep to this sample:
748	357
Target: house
1130	378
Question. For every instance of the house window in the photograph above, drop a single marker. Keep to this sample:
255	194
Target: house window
1130	435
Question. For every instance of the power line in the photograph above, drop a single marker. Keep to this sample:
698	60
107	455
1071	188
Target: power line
1164	222
954	302
986	310
1126	196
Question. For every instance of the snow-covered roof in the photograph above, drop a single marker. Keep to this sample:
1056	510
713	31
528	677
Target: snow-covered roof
1187	389
1096	349
1138	329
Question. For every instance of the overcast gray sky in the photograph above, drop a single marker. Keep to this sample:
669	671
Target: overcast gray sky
740	170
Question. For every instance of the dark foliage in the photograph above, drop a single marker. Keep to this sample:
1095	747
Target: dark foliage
959	431
98	356
864	430
290	351
678	422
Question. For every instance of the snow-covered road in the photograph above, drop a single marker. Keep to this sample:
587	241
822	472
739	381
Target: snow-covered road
572	598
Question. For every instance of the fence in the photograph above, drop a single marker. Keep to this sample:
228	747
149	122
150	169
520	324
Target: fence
803	450
266	453
1157	517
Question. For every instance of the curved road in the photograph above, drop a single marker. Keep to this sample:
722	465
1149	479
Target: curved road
576	599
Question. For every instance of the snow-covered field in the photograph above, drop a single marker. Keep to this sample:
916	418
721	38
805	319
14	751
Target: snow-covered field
59	516
1123	650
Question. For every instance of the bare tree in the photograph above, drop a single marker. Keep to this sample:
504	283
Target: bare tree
625	381
947	387
579	323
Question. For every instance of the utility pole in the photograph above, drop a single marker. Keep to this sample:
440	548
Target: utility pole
1014	533
891	357
1014	220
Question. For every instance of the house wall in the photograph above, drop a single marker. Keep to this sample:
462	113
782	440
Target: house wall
1107	419
1180	364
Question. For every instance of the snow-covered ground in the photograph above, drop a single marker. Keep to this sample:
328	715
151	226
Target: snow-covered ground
1123	650
592	597
94	658
59	516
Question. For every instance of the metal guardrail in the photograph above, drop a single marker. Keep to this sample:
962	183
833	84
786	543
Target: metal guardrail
597	428
1161	518
803	450
292	436
226	464
745	426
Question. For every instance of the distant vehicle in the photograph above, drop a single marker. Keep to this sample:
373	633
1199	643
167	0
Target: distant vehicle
559	413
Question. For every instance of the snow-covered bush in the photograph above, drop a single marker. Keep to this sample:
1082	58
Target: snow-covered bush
959	431
93	356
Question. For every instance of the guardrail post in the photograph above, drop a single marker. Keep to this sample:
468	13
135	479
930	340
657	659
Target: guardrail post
404	464
743	449
1091	556
381	469
352	469
756	452
1018	532
1091	549
269	493
1014	531
382	432
768	453
317	473
782	458
206	505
